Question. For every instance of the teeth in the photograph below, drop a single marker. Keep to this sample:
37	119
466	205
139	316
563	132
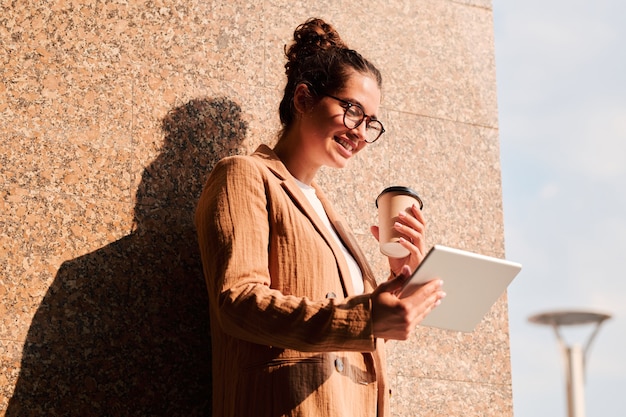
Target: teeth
344	143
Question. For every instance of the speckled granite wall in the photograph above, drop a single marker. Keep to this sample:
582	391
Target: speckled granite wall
111	115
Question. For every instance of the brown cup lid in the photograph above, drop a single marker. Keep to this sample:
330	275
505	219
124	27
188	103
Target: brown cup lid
398	189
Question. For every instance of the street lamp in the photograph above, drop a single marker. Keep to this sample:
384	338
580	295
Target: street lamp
574	355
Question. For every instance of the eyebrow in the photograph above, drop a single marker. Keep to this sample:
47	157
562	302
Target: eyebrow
358	103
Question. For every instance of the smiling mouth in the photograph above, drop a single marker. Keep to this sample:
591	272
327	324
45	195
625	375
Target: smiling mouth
347	145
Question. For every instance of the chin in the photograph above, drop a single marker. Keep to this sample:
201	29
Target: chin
341	163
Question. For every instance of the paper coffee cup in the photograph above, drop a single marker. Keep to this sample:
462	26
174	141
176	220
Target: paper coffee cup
390	202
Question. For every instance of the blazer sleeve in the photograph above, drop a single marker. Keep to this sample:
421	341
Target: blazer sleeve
233	232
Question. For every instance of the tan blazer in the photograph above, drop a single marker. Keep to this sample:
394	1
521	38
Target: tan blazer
289	337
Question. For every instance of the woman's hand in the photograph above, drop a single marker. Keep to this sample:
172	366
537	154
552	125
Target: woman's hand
413	229
394	317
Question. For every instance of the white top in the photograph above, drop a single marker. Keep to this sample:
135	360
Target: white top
355	271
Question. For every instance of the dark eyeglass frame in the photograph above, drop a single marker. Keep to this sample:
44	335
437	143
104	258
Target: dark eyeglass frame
347	106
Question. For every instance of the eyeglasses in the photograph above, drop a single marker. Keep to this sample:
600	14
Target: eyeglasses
354	115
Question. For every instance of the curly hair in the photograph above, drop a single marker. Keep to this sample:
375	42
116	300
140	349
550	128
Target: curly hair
319	58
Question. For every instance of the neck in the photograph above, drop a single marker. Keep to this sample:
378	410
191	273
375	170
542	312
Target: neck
292	153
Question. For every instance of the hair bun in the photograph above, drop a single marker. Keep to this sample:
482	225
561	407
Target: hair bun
310	38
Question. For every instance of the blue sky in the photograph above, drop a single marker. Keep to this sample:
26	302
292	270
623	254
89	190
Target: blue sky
561	71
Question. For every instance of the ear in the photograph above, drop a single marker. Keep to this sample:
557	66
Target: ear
302	98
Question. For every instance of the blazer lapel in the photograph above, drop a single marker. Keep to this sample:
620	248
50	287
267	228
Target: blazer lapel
300	199
291	187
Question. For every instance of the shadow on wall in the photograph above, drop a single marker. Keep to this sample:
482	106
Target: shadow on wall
124	330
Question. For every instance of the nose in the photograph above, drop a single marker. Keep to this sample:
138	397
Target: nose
360	131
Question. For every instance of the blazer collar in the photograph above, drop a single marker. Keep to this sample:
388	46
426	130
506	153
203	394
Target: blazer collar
271	160
274	164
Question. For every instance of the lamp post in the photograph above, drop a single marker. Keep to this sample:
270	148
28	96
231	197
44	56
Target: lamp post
574	354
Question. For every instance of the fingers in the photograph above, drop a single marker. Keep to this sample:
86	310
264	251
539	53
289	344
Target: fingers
395	318
412	225
394	285
426	299
426	303
429	293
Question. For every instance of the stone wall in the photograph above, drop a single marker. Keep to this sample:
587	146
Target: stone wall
111	115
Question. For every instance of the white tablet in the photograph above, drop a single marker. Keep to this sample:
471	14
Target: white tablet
472	283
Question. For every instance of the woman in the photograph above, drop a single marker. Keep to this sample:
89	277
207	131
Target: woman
297	319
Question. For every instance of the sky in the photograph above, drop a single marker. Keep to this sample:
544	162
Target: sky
561	77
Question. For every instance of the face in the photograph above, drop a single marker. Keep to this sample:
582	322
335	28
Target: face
327	140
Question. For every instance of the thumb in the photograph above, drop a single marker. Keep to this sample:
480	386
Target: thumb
395	284
375	231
